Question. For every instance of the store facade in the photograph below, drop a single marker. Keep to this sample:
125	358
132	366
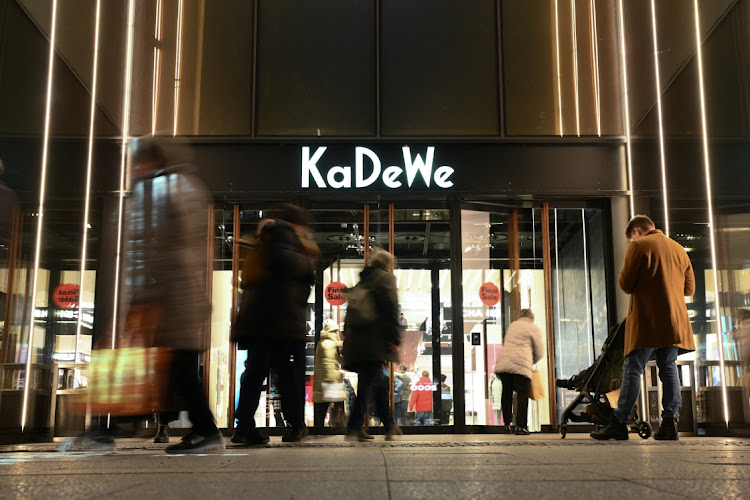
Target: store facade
499	164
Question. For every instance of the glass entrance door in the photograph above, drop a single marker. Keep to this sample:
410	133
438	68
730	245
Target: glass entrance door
502	273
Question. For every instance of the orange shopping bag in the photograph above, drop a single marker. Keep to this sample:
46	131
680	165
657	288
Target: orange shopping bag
132	378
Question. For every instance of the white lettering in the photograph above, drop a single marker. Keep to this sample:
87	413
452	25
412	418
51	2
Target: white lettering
389	177
359	167
423	166
309	166
346	179
441	177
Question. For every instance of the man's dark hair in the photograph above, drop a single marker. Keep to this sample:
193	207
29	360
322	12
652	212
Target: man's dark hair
642	222
293	215
443	377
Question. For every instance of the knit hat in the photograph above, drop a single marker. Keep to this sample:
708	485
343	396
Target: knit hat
330	326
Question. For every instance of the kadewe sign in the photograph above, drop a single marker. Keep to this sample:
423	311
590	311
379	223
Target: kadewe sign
367	170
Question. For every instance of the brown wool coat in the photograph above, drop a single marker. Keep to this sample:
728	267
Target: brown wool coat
657	275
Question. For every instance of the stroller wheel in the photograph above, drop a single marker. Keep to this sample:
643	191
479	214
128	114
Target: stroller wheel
644	430
563	431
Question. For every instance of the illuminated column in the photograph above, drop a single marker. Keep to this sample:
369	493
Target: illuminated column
711	222
87	192
626	105
40	215
123	162
661	122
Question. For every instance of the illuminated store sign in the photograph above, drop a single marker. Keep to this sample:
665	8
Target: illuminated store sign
339	177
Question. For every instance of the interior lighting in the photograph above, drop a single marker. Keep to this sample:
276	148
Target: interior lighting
123	157
587	277
87	192
661	122
559	84
42	194
626	105
575	64
707	167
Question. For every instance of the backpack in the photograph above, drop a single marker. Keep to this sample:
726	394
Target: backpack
360	310
255	272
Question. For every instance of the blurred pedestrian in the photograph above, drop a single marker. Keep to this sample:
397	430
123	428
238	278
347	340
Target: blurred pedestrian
421	399
446	400
370	345
275	335
496	394
403	382
658	275
328	380
165	266
522	348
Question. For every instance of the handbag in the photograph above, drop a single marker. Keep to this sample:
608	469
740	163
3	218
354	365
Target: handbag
360	310
132	379
333	392
536	391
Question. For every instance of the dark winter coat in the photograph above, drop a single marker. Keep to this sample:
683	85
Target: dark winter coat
165	254
286	288
378	341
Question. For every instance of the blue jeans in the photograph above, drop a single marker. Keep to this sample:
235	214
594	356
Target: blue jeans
424	417
633	367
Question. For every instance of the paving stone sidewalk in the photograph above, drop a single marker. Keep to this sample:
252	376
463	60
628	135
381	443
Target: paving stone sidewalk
434	467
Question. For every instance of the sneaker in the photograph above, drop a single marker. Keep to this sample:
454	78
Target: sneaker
90	441
195	443
391	434
615	430
359	435
295	435
521	431
507	429
667	430
250	437
162	436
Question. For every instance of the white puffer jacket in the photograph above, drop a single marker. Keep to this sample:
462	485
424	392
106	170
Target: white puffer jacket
522	348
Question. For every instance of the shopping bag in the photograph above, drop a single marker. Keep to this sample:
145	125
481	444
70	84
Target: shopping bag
614	393
536	391
131	379
333	392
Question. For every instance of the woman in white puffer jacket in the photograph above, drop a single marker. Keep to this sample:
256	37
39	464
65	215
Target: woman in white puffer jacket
521	349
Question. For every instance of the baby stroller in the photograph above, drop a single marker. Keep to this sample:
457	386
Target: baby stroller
595	382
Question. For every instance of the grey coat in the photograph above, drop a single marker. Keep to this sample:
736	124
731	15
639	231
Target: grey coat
165	254
522	348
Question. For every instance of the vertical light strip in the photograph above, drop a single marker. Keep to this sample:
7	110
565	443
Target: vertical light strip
559	77
586	278
123	163
595	48
626	105
177	68
40	220
557	299
661	122
575	64
87	194
712	227
155	87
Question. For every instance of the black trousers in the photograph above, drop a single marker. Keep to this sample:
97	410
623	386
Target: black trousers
372	384
288	358
520	385
187	389
322	409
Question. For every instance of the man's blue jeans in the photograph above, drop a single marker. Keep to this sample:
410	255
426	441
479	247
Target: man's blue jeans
633	367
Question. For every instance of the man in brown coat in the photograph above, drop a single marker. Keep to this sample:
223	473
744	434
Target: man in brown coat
657	275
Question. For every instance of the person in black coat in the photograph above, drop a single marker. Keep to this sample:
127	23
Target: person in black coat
367	349
275	337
